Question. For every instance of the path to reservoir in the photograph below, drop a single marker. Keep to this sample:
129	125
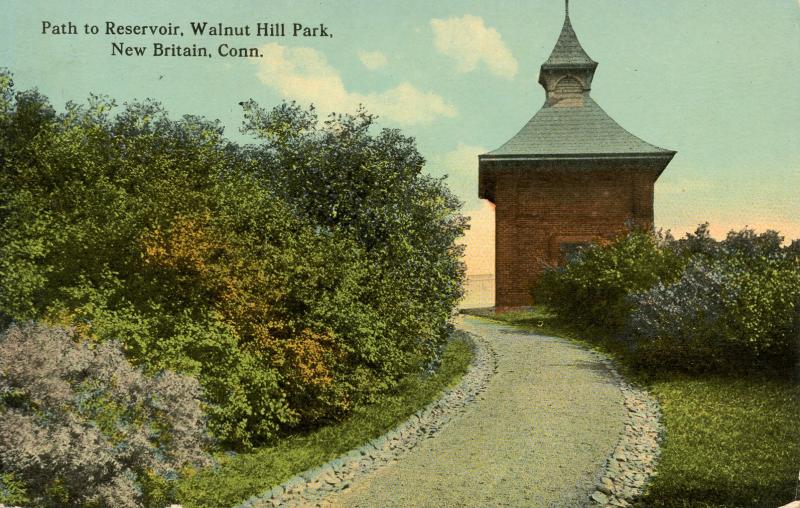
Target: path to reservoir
538	436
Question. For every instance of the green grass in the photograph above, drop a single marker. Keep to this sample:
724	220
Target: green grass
240	476
730	441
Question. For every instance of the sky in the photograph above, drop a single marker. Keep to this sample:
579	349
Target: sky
716	80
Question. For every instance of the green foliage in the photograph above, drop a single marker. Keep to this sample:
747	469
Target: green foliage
296	278
370	188
12	490
592	289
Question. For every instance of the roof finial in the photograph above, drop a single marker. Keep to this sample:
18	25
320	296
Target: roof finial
566	7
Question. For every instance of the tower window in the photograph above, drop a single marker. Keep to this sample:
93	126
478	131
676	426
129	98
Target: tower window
568	250
569	85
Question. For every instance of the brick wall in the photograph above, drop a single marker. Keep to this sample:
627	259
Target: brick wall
539	210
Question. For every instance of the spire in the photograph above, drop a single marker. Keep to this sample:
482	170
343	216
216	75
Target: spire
568	51
567	60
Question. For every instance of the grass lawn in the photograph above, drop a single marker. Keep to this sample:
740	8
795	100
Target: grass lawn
240	476
730	441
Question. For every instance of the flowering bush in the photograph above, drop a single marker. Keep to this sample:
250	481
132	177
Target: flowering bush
79	426
689	304
736	304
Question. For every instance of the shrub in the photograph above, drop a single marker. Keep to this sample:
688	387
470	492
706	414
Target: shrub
80	426
691	304
295	278
745	243
592	289
737	304
370	189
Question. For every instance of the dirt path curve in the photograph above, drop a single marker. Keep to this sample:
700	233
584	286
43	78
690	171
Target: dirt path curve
538	436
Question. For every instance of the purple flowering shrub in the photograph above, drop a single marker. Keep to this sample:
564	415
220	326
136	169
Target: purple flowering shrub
80	426
678	323
737	304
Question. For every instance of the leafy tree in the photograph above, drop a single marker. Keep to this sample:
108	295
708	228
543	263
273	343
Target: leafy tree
371	189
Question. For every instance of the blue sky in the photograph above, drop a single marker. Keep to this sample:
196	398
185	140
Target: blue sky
716	80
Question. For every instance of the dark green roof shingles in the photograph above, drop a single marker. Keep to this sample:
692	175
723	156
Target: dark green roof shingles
573	131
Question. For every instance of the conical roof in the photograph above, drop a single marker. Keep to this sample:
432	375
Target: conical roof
568	50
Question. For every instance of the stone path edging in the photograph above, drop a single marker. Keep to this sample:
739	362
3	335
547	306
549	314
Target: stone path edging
632	463
312	486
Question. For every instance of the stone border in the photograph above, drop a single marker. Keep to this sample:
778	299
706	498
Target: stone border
312	486
632	464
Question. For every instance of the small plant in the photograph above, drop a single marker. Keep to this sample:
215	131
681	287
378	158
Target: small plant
80	426
12	490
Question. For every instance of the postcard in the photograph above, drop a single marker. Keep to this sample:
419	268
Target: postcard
547	126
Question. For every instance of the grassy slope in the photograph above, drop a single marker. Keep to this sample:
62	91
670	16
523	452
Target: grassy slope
241	476
730	441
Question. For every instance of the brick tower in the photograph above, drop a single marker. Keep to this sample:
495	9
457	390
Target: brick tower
570	176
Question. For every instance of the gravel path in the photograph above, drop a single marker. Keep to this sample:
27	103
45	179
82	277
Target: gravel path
539	435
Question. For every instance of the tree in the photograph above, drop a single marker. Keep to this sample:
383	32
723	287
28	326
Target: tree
371	188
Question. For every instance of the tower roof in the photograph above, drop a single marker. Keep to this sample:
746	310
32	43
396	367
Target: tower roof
570	132
570	124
